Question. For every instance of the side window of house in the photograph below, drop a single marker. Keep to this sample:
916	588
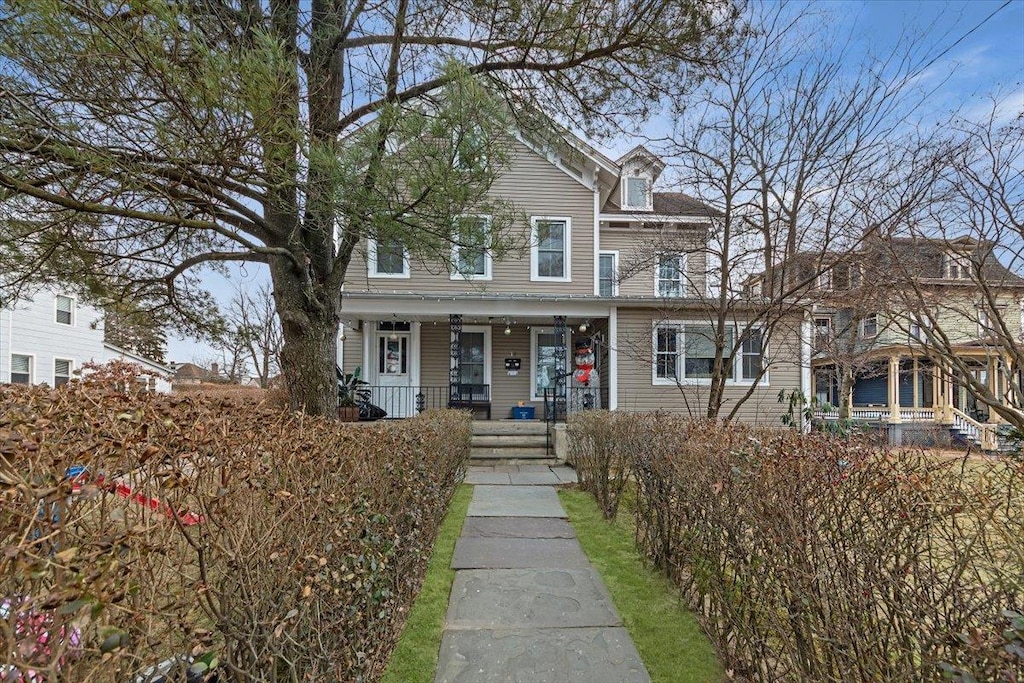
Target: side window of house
607	285
388	258
61	371
671	275
65	310
753	355
21	369
550	250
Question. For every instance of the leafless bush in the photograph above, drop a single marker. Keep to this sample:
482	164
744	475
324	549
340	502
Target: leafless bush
264	544
817	559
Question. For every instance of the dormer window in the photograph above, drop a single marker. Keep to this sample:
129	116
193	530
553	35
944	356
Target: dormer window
636	192
956	266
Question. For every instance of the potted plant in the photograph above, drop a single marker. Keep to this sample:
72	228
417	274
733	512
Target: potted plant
348	408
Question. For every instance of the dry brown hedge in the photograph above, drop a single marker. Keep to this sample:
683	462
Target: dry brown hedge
817	559
313	541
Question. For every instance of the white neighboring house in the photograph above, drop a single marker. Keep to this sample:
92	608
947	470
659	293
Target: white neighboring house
161	383
46	336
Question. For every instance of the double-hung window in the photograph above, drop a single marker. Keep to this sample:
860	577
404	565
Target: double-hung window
636	193
61	371
550	249
670	280
388	259
607	277
822	332
21	369
65	310
752	355
471	256
869	327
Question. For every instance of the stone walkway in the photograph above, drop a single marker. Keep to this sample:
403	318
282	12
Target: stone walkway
526	605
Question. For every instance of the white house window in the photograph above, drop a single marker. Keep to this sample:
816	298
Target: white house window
607	277
956	266
21	369
825	280
470	255
752	355
685	352
671	275
470	148
822	332
61	371
987	326
869	327
636	192
388	259
65	310
549	255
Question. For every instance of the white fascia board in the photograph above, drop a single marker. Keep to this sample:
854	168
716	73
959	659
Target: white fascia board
434	305
653	218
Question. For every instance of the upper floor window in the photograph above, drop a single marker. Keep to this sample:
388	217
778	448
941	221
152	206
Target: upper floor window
956	266
471	257
869	326
21	369
61	371
470	147
550	249
388	259
65	310
988	325
822	332
825	280
636	192
670	279
607	276
918	327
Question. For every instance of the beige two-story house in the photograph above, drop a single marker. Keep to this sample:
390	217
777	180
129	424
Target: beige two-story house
609	263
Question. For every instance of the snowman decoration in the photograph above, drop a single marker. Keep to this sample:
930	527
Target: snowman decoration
586	381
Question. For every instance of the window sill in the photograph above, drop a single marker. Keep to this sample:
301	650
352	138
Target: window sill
542	278
695	382
457	277
388	276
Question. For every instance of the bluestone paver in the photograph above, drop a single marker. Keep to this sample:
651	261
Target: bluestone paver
515	501
529	598
517	527
545	655
492	477
518	553
546	478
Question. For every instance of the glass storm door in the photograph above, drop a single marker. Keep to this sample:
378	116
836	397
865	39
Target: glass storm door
394	392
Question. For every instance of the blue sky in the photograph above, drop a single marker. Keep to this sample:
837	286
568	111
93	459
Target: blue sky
974	51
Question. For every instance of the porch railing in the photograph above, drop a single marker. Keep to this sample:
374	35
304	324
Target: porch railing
399	402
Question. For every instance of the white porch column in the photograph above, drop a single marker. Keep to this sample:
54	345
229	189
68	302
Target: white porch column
894	389
613	358
806	376
993	387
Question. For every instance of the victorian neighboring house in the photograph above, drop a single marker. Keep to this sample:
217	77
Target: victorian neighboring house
498	334
49	335
890	317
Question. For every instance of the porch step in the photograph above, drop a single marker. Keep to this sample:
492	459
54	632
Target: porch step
504	441
508	453
508	427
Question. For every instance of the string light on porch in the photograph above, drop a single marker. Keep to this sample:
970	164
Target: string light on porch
508	327
583	326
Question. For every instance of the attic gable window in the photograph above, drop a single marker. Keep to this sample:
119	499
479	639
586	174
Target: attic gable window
636	192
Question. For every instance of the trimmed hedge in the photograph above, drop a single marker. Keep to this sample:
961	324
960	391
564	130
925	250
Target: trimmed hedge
313	539
811	558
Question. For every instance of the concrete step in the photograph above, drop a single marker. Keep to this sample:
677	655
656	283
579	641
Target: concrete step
505	427
510	441
517	453
475	461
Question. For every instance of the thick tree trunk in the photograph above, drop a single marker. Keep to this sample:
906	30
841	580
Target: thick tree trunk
309	326
845	387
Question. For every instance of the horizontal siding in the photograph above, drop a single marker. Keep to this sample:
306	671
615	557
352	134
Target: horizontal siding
636	259
30	328
636	390
957	318
536	188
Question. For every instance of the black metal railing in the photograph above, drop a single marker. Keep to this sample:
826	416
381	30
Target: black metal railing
378	401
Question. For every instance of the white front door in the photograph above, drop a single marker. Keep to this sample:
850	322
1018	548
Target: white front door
393	390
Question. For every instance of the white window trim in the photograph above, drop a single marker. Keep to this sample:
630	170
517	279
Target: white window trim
534	333
863	321
624	194
737	359
31	366
371	263
71	369
56	310
566	250
684	280
615	270
488	273
486	329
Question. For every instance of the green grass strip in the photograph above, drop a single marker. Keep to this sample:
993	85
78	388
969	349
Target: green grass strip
666	634
415	656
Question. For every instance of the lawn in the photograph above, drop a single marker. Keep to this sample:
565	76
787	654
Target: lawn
415	658
666	634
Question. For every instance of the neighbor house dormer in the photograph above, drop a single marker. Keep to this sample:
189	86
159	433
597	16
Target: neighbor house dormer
640	170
